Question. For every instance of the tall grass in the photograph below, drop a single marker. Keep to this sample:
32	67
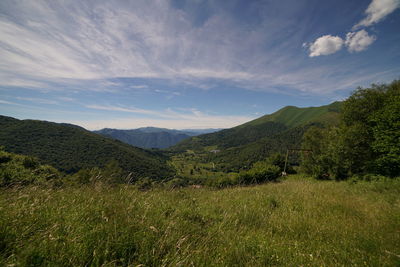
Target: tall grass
293	223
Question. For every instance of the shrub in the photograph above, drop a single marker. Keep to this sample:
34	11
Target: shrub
30	162
23	170
176	183
144	184
259	174
221	182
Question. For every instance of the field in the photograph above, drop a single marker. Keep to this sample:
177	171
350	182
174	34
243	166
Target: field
198	166
296	222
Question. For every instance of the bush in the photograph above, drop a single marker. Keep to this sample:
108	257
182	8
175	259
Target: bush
221	182
176	183
24	170
259	175
144	184
30	162
86	176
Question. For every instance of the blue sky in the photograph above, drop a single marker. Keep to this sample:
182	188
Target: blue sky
189	64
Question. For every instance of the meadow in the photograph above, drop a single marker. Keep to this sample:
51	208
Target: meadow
295	222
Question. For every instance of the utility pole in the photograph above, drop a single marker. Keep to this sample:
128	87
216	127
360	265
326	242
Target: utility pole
287	156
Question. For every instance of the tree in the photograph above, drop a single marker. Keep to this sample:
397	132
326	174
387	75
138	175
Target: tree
367	140
386	133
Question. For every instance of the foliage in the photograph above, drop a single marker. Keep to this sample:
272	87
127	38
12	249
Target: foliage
244	145
298	222
243	157
162	138
177	183
18	170
111	174
268	126
233	137
386	135
144	184
71	148
367	140
260	173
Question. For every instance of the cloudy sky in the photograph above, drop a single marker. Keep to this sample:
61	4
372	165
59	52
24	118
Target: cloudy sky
189	63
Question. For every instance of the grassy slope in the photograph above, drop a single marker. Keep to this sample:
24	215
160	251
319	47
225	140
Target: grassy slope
293	223
71	148
292	116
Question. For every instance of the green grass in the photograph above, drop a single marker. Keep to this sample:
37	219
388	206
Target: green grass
292	116
298	222
197	166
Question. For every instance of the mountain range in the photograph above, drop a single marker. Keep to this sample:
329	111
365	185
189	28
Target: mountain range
241	146
70	148
152	137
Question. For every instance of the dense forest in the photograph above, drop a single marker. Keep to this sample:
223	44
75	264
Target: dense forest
70	148
144	138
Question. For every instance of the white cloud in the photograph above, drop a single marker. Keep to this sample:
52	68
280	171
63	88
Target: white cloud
355	41
37	100
66	99
125	109
376	11
358	41
7	102
325	45
64	43
142	86
115	39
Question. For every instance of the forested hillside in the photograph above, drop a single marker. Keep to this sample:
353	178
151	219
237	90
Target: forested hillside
239	147
71	148
161	138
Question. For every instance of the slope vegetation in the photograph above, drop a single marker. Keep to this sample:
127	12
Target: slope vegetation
241	146
71	148
291	116
162	138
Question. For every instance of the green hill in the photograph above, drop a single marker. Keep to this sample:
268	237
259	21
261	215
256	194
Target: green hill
291	116
70	148
158	138
241	146
271	125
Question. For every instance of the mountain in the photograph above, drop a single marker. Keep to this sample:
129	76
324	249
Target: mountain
70	148
291	116
194	132
241	146
151	137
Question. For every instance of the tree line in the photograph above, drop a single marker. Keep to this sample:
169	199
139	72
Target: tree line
367	140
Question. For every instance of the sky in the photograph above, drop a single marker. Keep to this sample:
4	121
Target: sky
189	63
